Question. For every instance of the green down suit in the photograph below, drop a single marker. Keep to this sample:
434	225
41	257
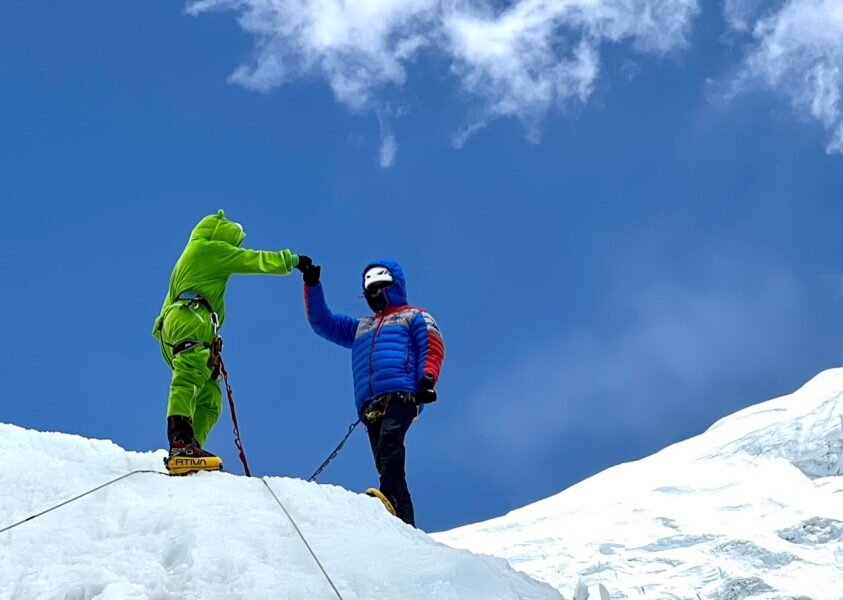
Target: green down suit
211	256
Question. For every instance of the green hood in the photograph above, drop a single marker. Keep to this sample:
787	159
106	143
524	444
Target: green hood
217	227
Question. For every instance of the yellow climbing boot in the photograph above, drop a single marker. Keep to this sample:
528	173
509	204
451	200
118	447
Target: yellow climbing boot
191	459
376	493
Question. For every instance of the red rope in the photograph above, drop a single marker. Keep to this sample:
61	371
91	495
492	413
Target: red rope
230	393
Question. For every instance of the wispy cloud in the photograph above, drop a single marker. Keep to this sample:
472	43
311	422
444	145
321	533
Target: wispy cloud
358	46
741	14
522	61
540	54
389	147
797	49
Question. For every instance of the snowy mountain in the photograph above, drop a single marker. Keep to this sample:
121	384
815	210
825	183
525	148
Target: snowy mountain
211	536
752	508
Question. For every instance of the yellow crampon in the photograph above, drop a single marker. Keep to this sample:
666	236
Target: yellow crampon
185	465
376	493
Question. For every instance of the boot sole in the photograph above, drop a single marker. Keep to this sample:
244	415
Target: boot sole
179	465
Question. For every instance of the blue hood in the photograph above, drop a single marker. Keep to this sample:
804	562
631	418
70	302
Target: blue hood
397	292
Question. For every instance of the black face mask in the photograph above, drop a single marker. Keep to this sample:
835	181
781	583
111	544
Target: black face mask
376	298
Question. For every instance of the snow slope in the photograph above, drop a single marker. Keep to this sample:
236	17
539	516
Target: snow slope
211	536
752	508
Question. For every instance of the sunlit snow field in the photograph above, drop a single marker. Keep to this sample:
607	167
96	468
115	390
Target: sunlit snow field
211	536
752	508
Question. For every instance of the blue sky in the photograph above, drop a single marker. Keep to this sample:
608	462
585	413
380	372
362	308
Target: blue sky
626	228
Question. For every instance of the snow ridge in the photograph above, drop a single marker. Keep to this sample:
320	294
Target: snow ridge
753	507
211	536
750	508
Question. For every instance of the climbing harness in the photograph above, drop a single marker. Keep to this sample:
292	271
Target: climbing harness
193	299
336	451
375	409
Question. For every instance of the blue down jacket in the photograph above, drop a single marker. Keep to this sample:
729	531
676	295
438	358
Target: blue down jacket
390	350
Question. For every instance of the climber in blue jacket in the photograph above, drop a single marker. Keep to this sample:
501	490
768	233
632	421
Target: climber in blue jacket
396	357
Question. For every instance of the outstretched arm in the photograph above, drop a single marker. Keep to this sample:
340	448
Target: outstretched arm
338	328
231	259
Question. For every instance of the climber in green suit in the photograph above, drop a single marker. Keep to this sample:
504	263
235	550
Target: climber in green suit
188	326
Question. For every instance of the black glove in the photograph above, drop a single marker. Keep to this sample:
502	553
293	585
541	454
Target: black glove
304	262
425	393
310	272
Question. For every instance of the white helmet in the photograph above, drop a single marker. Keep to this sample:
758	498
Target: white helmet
377	277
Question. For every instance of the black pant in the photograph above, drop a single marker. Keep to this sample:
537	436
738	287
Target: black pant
386	435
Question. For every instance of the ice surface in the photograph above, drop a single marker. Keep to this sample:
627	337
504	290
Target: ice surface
211	536
753	507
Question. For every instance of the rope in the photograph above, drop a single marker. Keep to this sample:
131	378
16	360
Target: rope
296	527
80	496
335	452
230	393
131	473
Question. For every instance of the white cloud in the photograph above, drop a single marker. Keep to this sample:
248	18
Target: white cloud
388	148
798	51
539	54
532	57
358	46
740	14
